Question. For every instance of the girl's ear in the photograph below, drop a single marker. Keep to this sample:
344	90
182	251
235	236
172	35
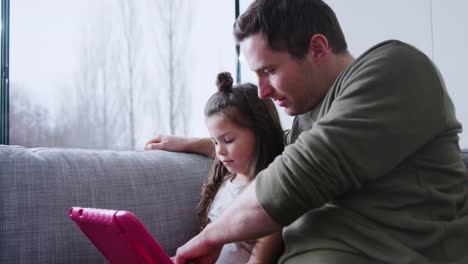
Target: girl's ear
318	47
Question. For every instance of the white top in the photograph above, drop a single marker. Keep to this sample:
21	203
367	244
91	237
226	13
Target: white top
231	253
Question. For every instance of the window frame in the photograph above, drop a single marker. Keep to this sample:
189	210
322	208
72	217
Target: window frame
4	88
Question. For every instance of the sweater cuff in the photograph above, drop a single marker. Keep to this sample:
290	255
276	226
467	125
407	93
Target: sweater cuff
274	199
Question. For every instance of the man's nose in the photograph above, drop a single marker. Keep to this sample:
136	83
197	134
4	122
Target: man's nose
264	88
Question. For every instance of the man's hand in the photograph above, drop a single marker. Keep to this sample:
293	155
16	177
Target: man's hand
198	250
243	220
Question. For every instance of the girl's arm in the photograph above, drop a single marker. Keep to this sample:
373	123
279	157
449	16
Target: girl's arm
203	146
267	249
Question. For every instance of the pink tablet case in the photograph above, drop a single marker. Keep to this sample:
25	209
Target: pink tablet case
119	236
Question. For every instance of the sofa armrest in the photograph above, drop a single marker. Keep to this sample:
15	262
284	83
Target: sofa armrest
38	186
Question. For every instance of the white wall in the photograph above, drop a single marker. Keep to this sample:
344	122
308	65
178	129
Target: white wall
438	28
450	22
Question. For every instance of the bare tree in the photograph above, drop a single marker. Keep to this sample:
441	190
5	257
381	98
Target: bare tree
108	79
96	100
130	31
116	91
87	103
174	30
30	123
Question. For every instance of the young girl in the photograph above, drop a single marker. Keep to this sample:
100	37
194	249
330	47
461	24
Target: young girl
247	135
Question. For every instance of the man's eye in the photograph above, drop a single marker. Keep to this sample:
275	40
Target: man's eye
268	71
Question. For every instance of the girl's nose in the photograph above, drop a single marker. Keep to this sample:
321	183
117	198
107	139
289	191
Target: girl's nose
221	150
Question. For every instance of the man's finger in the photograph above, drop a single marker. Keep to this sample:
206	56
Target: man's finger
178	260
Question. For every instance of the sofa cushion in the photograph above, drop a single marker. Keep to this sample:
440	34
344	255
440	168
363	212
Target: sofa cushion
38	186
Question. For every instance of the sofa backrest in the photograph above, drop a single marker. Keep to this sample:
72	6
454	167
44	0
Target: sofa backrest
38	186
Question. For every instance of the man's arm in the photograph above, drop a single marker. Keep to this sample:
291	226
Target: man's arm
202	146
267	249
244	220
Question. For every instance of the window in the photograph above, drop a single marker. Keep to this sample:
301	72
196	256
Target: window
112	74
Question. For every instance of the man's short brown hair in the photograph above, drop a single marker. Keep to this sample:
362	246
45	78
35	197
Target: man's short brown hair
288	25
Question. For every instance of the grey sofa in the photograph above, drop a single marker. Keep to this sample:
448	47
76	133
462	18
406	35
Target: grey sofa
38	186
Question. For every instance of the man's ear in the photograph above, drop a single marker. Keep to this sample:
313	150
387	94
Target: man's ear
318	46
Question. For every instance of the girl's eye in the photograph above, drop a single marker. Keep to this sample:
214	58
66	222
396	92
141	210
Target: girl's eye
228	140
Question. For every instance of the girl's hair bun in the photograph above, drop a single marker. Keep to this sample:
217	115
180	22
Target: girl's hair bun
224	82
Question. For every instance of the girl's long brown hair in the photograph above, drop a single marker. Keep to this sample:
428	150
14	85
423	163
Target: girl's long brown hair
240	105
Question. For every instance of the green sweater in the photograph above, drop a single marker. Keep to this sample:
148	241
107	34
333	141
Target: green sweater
376	168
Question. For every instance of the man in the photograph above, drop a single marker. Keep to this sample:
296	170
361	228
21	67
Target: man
372	173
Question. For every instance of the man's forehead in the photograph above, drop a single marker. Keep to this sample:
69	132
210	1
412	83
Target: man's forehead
256	51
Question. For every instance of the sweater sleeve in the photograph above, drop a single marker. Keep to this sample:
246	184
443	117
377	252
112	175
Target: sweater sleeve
383	108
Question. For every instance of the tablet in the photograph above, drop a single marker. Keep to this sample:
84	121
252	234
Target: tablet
119	236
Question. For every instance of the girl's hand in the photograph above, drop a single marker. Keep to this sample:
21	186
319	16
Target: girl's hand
203	146
167	142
